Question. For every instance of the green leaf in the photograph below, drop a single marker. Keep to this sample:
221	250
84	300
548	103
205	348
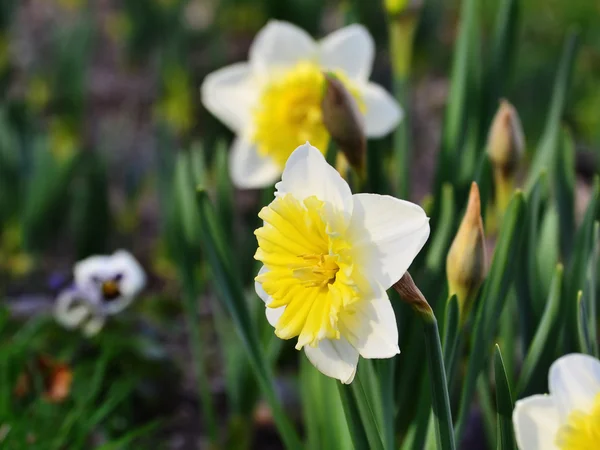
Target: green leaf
585	339
352	413
231	293
545	155
323	412
541	351
504	405
578	266
527	280
492	300
440	243
565	193
367	413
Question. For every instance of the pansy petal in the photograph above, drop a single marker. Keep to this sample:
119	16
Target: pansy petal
117	305
93	326
574	382
307	173
70	309
382	111
229	94
536	423
350	49
334	358
387	234
133	277
371	327
248	169
280	44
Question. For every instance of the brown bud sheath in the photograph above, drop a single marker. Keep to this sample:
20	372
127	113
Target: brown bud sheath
466	262
506	141
344	122
411	294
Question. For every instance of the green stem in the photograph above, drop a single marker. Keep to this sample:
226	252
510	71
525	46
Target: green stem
191	315
439	386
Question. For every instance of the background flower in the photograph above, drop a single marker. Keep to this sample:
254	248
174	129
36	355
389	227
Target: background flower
272	102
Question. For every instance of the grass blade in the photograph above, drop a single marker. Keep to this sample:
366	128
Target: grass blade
504	405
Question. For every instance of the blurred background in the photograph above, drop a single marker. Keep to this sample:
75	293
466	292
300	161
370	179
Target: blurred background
97	100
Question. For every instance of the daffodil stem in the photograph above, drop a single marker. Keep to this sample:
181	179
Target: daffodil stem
195	338
439	386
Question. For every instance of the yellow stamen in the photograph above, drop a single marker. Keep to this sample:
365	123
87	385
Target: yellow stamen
289	111
310	270
582	430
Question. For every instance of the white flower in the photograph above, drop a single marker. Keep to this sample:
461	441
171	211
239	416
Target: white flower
273	101
103	285
569	417
328	257
78	308
118	278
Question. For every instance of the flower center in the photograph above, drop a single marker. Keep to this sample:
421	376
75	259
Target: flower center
289	111
309	268
582	430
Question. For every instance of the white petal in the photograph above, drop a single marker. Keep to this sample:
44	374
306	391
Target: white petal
307	173
279	45
248	169
350	49
386	234
70	308
371	327
382	111
117	305
134	278
536	423
334	358
93	326
574	382
273	314
229	94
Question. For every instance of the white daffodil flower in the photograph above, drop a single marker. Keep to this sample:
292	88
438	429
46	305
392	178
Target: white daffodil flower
569	417
118	278
328	257
273	101
78	308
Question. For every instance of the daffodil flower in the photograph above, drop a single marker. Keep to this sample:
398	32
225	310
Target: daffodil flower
328	258
103	286
568	418
273	101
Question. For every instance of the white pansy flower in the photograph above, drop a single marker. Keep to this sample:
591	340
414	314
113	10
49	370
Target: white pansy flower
103	285
569	417
328	258
273	101
119	278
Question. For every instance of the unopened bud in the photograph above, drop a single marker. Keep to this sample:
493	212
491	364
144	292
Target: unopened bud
344	122
506	142
411	294
467	261
397	7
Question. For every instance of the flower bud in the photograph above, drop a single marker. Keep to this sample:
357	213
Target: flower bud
506	142
466	261
396	7
505	148
344	122
411	294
